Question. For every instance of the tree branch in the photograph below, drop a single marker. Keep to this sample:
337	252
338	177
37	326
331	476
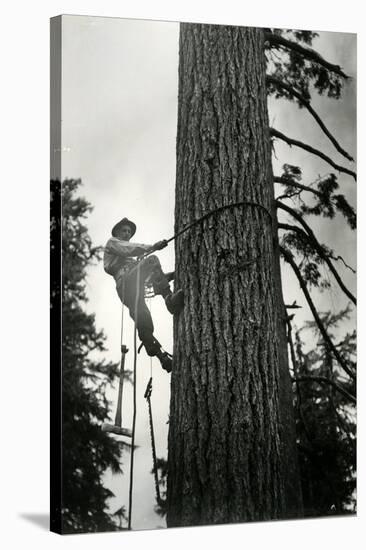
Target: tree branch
344	263
288	257
288	227
292	306
307	104
290	142
325	380
308	53
309	235
292	183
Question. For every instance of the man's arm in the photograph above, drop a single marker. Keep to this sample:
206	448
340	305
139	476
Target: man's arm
126	249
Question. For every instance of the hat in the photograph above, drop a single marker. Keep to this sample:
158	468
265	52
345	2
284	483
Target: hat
124	221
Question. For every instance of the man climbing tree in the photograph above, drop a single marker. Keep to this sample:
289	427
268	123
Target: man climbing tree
131	277
232	443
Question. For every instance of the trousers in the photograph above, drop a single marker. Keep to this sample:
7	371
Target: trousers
131	284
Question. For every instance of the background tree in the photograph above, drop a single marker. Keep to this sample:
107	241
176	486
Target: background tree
232	440
87	452
325	419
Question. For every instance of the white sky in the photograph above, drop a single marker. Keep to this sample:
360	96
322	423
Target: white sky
119	112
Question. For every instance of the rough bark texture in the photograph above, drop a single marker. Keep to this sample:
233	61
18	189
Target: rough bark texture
226	459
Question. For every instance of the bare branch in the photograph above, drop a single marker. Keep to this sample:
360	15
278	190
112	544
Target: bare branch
288	227
310	235
325	380
308	106
312	150
288	257
344	263
312	55
292	306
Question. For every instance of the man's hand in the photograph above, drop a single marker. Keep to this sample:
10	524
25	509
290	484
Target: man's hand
160	245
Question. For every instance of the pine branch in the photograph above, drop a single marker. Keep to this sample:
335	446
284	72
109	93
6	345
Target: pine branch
309	235
322	196
292	183
325	380
308	53
288	257
307	104
306	147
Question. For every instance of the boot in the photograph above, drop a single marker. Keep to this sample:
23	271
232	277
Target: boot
152	347
160	285
174	302
165	360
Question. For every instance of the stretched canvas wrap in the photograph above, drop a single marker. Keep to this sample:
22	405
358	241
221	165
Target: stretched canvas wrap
203	251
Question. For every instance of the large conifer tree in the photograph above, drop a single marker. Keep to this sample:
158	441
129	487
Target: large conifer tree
232	443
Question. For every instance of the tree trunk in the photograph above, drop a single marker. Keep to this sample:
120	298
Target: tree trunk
226	458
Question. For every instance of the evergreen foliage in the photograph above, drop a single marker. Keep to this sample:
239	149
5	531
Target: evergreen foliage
87	451
325	420
324	394
297	70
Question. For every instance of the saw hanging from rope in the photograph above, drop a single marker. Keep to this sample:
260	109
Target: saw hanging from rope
117	428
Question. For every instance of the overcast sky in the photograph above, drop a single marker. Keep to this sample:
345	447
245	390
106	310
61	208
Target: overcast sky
119	115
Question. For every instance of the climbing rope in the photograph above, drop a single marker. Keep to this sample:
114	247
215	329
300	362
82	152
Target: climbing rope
209	214
147	396
134	400
123	307
150	355
124	350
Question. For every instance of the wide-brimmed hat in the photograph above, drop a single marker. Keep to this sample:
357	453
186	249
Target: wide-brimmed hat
124	221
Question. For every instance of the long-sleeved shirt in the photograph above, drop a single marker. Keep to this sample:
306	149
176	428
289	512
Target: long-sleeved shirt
119	256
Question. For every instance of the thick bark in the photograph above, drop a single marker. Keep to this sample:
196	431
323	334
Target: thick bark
226	447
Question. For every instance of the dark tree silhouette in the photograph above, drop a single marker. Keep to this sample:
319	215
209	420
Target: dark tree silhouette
232	440
325	419
87	452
